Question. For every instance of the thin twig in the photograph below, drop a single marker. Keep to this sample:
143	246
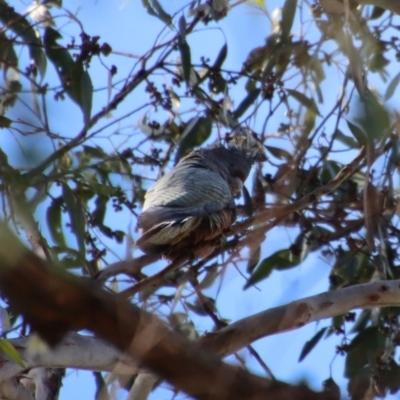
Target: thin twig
153	280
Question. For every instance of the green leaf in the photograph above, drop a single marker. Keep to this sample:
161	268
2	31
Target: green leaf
301	98
309	121
76	216
281	154
248	202
217	84
362	321
253	259
280	260
186	59
392	87
200	308
221	57
161	14
377	12
246	103
347	140
100	211
5	122
373	117
212	273
288	13
86	96
75	80
119	236
331	388
357	132
8	57
197	131
156	10
69	258
364	350
149	8
389	377
20	25
95	152
54	220
310	344
7	348
182	27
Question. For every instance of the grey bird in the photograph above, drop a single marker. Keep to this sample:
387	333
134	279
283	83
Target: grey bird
190	208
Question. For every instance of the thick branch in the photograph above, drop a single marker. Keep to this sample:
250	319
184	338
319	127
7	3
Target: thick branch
83	352
74	351
299	313
54	302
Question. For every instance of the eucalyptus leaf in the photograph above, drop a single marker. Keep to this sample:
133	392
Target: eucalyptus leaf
310	344
288	14
7	348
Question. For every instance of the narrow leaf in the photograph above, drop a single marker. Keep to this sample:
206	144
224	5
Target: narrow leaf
161	14
7	348
8	57
182	27
309	121
186	59
310	344
86	96
20	25
280	260
392	87
347	140
149	8
288	13
54	219
301	98
246	103
221	57
248	202
377	12
5	122
77	217
75	80
199	131
96	152
357	132
100	211
281	154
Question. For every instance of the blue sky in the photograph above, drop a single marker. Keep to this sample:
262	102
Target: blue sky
127	27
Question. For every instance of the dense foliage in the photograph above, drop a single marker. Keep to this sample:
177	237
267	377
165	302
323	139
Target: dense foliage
320	92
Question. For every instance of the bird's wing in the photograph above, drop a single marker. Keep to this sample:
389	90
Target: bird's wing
185	191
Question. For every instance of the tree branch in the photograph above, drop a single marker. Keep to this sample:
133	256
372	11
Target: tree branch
54	302
74	351
84	352
299	313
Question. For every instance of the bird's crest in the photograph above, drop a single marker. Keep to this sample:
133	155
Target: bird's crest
244	140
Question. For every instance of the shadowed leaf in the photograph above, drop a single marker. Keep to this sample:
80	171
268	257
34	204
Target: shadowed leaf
310	344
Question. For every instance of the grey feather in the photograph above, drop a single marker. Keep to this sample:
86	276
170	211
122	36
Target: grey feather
197	195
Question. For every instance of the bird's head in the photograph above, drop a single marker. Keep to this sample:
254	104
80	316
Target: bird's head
244	142
234	162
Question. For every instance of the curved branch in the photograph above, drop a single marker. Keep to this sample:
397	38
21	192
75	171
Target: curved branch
74	351
299	313
55	302
102	357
